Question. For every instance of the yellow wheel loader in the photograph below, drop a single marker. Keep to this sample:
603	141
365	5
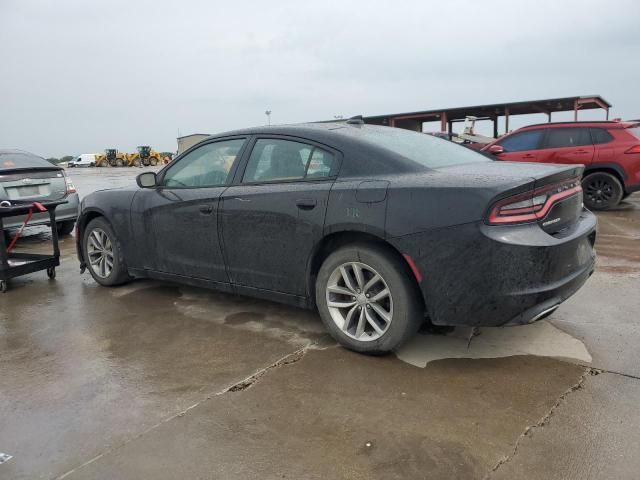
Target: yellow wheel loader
146	156
101	160
115	158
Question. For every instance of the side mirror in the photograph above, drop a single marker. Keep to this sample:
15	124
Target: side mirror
496	149
146	180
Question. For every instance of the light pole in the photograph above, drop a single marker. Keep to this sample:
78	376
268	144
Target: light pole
268	114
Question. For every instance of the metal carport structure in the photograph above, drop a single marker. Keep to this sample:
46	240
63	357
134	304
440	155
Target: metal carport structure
448	116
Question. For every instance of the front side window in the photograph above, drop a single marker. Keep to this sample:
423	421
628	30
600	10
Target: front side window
207	166
519	142
284	160
567	137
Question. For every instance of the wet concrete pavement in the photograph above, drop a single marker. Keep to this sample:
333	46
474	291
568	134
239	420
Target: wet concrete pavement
153	380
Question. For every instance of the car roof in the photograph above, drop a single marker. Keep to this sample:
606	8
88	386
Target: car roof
609	124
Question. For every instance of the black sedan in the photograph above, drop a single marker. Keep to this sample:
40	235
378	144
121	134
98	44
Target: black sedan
378	228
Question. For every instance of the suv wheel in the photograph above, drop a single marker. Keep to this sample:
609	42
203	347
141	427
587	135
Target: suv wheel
65	228
103	254
367	300
601	191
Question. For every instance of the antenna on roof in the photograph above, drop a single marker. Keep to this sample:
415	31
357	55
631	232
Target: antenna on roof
357	120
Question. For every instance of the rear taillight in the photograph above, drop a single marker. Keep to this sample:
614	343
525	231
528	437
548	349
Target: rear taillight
533	205
70	186
634	149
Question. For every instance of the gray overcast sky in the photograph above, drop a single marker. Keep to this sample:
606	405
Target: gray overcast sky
78	76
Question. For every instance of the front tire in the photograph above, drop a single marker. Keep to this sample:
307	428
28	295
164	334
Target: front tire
65	228
367	299
601	191
103	254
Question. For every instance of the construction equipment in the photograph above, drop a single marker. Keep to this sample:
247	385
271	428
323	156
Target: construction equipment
145	156
115	158
101	160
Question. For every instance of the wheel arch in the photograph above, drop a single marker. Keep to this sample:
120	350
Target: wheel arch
81	223
610	168
336	240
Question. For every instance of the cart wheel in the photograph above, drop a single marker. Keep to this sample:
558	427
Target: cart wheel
4	286
51	272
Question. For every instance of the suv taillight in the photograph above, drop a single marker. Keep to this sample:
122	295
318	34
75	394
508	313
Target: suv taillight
634	149
533	205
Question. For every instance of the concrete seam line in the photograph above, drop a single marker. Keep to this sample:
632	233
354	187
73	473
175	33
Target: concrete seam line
613	372
528	431
236	387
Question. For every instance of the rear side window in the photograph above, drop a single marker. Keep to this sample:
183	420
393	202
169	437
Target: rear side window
519	142
567	137
600	135
283	160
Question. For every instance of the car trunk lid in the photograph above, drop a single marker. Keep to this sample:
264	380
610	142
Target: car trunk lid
37	184
548	194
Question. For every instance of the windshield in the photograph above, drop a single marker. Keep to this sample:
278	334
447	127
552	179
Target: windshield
421	148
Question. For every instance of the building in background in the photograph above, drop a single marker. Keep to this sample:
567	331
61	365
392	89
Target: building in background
186	142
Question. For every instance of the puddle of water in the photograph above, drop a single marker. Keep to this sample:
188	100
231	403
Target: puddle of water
541	339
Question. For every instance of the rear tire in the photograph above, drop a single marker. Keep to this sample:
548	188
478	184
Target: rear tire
65	228
103	254
374	323
601	191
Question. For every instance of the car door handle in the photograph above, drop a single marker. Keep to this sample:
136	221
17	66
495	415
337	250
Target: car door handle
528	156
306	203
206	209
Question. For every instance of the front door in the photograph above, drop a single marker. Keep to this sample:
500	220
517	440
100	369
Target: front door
274	217
521	146
179	218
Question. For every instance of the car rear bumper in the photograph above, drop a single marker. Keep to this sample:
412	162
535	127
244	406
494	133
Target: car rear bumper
64	213
482	275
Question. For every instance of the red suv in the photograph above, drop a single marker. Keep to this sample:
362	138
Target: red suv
610	152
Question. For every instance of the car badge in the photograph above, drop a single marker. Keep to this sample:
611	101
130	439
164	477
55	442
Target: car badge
26	180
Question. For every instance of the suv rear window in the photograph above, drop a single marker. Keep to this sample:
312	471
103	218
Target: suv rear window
567	137
600	135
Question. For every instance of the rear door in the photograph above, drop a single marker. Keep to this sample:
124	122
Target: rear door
274	214
521	146
567	145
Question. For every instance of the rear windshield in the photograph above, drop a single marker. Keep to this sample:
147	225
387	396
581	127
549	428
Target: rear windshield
635	131
18	160
426	150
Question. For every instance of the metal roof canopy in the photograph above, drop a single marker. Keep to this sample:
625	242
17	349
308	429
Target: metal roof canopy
447	116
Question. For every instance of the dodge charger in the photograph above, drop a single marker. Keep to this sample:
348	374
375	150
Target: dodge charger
378	228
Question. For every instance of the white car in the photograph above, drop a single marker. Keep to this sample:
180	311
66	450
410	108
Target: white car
84	160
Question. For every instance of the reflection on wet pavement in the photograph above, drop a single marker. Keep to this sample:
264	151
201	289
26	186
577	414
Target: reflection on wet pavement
540	339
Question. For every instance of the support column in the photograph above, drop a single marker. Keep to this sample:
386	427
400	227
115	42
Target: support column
443	122
495	127
506	120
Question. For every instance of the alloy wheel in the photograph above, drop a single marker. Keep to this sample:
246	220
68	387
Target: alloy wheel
100	252
599	191
359	301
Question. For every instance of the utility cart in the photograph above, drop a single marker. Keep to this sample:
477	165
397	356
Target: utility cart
16	264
